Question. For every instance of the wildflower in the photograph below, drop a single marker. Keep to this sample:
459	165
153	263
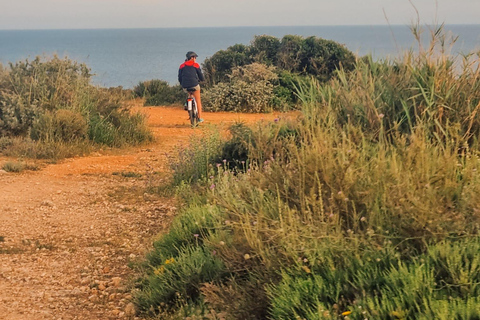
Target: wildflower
381	115
168	261
346	313
224	160
276	120
196	235
222	243
159	270
397	315
306	269
214	252
246	256
218	165
212	186
363	219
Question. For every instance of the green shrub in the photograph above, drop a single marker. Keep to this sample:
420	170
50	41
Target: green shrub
218	67
159	93
306	56
365	206
5	142
195	162
13	166
53	103
15	116
288	56
181	261
264	49
62	125
250	89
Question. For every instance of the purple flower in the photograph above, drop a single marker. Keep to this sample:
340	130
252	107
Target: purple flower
196	235
212	186
224	160
276	119
218	165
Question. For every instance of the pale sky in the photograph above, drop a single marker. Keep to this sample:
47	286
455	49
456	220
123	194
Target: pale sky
86	14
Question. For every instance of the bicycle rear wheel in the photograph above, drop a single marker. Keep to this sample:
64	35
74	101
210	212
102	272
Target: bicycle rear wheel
193	114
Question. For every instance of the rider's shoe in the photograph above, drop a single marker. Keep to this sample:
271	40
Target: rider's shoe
200	120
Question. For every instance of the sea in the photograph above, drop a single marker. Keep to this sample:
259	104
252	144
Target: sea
125	57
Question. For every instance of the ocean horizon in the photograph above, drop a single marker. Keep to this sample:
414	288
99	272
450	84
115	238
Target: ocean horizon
125	57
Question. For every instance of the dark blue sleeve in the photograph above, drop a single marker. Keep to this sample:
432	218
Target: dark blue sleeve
200	75
180	75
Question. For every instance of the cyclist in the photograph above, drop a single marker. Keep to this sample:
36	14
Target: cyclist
189	76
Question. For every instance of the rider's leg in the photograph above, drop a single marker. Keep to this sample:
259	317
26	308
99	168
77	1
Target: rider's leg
196	94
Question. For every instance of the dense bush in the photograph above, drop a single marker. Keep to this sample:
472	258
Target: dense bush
291	58
159	93
52	102
249	89
218	67
63	125
306	56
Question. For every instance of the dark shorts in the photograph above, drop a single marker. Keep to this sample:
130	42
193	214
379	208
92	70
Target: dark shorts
197	87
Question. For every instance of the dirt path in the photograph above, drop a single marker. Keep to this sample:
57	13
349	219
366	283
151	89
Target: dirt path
69	231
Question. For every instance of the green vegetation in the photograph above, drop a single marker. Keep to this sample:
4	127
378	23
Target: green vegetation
259	77
262	76
11	166
49	109
367	206
159	93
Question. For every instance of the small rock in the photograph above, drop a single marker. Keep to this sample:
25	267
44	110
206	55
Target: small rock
93	298
47	203
116	281
130	309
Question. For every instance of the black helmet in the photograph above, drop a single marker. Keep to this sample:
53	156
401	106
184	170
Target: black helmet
191	54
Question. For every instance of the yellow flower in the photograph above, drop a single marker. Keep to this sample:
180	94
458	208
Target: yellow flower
168	261
159	270
346	313
306	269
397	314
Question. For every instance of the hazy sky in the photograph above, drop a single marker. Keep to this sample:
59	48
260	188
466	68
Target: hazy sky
74	14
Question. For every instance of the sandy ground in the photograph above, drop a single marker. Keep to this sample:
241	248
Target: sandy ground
69	232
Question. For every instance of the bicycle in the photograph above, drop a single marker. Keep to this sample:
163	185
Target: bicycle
191	107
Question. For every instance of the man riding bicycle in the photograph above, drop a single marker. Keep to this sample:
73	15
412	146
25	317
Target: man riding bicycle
189	76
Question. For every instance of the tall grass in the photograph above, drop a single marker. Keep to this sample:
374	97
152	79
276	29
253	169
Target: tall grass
366	207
